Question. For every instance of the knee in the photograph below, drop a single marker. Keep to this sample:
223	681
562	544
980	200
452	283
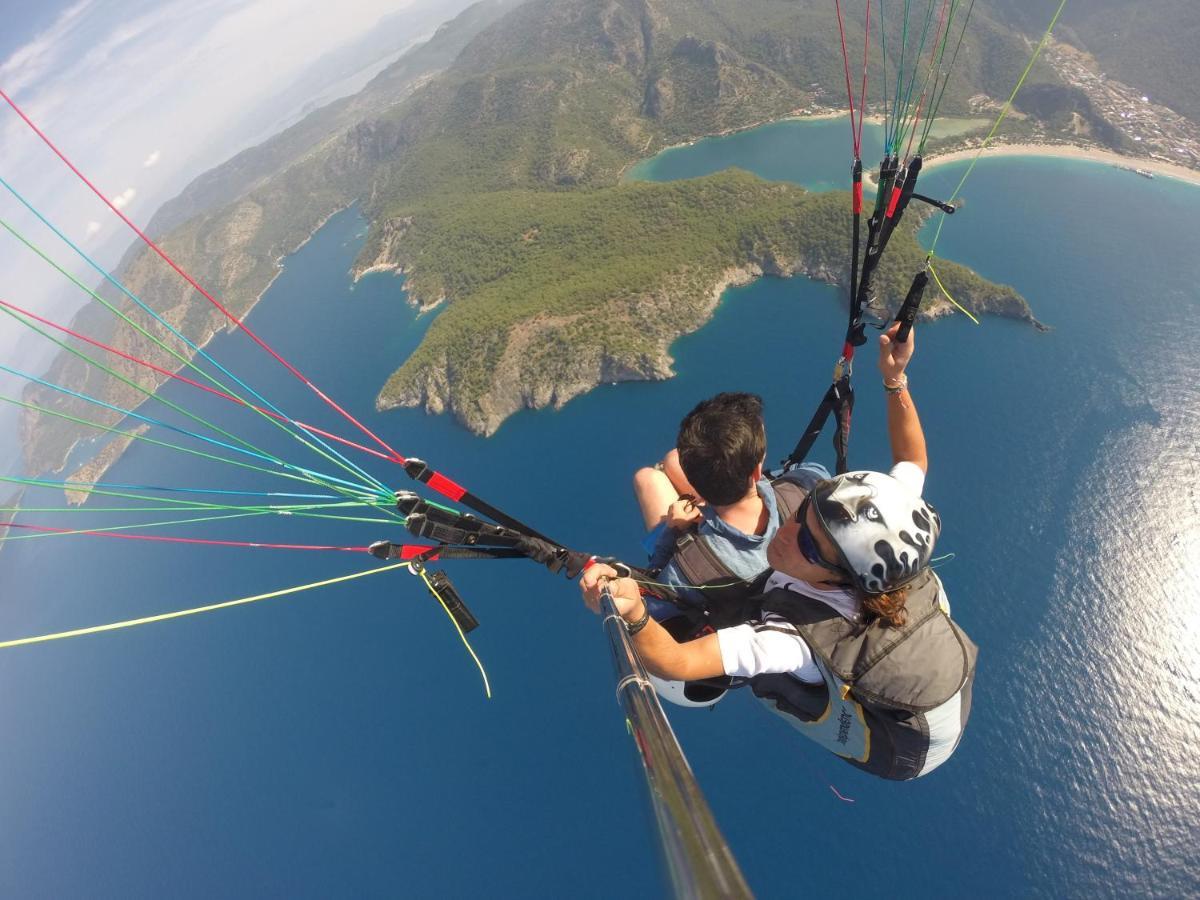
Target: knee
645	478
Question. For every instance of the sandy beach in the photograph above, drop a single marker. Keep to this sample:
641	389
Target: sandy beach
1065	151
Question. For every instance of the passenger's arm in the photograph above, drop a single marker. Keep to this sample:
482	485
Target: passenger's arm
904	426
674	471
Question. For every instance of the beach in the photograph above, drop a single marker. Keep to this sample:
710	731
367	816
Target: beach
1067	151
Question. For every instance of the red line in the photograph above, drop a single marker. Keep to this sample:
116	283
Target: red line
188	278
149	365
177	540
846	65
862	97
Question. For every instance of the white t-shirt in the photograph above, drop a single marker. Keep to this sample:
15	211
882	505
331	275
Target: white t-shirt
773	646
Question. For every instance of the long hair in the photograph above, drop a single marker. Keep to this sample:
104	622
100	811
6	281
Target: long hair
887	608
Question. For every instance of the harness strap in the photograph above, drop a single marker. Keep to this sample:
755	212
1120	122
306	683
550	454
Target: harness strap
838	399
699	564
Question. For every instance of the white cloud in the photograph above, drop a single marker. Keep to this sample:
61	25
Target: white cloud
107	80
30	62
124	198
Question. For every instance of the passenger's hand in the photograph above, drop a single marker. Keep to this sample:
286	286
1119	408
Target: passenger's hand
683	514
893	356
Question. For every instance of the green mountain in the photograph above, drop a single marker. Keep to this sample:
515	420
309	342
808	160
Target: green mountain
495	185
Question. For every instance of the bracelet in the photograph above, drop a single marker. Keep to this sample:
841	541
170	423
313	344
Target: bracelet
900	385
633	628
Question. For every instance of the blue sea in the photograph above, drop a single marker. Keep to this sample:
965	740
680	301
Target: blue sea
338	742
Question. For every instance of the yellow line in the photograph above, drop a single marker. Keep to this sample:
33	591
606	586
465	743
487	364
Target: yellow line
487	688
1003	112
942	288
130	623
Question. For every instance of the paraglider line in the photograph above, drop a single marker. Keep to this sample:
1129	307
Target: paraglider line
234	320
163	617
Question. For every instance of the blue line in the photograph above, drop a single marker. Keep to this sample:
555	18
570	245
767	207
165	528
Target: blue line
152	421
112	280
50	482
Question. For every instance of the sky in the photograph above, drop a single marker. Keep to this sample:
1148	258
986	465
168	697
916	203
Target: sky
142	95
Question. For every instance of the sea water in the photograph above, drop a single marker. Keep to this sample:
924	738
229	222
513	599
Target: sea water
338	742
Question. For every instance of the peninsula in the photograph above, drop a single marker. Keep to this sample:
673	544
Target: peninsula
489	165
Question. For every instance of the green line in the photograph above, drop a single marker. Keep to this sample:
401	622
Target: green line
908	118
169	523
150	440
1004	112
884	59
189	363
933	72
26	537
109	510
899	78
137	387
946	79
172	502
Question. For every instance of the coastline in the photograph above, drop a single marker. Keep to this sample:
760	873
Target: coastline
107	456
1070	151
7	518
1160	168
818	113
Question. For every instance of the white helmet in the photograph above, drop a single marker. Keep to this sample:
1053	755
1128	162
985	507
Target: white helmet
884	532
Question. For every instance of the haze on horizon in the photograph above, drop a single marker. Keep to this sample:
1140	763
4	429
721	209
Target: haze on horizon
144	96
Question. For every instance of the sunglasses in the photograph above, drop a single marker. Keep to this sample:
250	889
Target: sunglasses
807	543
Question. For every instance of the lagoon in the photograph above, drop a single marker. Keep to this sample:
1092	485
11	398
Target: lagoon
338	742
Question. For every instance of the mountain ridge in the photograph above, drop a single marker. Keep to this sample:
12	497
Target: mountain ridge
546	98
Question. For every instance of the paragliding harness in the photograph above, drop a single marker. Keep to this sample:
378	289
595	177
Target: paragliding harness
875	706
725	593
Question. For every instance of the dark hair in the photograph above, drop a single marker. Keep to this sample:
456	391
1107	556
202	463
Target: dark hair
720	444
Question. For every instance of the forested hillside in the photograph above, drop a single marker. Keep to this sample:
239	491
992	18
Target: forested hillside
547	99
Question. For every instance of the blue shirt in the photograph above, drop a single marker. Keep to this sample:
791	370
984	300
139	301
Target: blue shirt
745	555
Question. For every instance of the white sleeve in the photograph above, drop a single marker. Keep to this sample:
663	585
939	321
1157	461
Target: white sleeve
909	474
767	648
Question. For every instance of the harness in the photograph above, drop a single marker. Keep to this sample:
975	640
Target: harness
893	700
726	595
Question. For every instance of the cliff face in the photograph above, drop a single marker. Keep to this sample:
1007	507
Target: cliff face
527	377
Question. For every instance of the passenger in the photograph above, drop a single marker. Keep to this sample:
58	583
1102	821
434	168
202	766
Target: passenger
852	642
709	511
